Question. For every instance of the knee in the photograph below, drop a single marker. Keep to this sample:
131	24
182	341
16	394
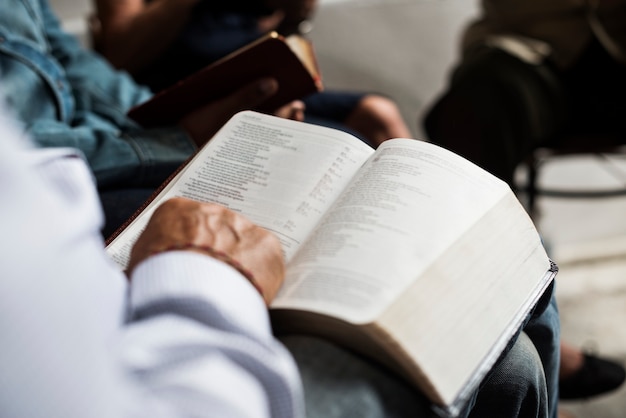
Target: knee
523	366
378	118
517	385
379	108
384	112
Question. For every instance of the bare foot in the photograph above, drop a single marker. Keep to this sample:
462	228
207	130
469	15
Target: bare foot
572	360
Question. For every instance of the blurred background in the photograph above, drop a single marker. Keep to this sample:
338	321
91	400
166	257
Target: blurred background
405	49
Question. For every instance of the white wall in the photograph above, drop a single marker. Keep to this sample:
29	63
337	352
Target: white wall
403	48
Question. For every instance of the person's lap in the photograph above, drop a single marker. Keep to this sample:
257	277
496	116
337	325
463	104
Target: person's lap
523	383
338	383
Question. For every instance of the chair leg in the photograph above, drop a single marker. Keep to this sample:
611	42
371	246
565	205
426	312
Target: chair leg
531	186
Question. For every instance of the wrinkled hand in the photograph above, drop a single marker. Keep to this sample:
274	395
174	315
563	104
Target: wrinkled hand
183	221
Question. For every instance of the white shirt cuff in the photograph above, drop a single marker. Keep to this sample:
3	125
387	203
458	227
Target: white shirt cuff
184	275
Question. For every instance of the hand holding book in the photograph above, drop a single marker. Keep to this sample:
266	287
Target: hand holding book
187	225
290	61
204	122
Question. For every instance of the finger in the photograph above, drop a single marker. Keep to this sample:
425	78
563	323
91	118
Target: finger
293	111
219	229
298	111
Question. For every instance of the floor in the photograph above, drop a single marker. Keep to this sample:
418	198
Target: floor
587	238
405	48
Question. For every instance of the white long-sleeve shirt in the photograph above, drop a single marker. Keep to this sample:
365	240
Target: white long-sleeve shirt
189	337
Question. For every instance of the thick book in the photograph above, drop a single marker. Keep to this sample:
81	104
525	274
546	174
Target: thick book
409	253
290	60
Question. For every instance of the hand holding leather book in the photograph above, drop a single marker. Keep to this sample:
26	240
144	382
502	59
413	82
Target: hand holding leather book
290	60
409	253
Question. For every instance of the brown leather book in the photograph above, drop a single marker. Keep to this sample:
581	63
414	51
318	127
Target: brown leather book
290	60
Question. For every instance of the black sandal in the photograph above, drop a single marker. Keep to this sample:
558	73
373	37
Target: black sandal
595	377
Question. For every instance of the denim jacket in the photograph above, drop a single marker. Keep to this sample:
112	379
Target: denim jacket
67	96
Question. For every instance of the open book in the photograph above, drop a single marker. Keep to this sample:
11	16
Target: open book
410	253
290	60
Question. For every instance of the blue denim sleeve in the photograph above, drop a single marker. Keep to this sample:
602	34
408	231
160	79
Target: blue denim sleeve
86	71
117	149
68	96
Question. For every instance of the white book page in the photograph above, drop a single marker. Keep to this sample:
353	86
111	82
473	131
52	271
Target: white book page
407	205
475	295
280	174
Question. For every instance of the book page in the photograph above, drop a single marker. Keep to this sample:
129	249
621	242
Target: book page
281	174
408	204
476	294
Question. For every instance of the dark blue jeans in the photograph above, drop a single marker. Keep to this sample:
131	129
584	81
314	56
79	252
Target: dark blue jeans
119	205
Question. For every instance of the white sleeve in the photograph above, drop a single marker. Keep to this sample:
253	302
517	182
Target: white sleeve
213	325
197	341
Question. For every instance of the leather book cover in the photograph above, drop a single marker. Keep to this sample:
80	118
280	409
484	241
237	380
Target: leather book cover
270	55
